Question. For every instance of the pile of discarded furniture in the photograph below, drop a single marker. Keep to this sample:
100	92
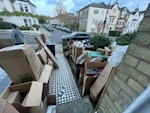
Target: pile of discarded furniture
30	71
94	69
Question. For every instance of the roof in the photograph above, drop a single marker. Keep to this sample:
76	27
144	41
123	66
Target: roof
98	5
28	2
121	9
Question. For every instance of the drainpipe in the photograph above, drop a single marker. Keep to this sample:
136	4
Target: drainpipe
140	103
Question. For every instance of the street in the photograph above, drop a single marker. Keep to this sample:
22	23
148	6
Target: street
54	36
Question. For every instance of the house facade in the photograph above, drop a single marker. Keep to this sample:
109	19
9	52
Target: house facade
122	19
24	6
134	21
91	17
112	17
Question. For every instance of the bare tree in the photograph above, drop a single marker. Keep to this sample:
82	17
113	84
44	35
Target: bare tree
60	10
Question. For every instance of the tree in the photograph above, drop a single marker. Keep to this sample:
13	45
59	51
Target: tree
43	19
60	9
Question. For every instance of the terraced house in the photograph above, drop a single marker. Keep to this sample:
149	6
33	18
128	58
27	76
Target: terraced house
19	12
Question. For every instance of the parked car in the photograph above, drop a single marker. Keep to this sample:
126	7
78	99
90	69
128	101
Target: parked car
78	36
68	30
48	27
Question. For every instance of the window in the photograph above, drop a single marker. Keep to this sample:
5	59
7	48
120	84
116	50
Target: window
96	11
92	29
114	10
25	22
26	8
94	21
113	20
102	12
29	21
21	7
34	21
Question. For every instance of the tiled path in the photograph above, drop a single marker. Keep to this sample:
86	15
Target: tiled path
64	86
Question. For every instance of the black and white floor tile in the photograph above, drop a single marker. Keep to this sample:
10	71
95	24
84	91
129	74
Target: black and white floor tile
64	86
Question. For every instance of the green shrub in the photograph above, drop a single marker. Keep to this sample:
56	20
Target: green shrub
125	39
5	25
25	28
114	33
100	41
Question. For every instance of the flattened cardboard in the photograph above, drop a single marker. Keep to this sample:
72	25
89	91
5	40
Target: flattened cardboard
49	53
49	100
42	56
101	80
44	38
87	83
6	107
35	94
46	74
95	64
100	50
107	51
14	97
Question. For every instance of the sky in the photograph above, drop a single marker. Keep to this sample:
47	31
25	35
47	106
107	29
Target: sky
46	7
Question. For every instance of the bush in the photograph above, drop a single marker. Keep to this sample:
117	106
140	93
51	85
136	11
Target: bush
5	25
100	41
25	28
125	39
114	33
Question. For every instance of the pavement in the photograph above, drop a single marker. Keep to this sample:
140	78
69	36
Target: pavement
28	32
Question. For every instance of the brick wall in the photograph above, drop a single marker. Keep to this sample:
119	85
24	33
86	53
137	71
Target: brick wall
133	75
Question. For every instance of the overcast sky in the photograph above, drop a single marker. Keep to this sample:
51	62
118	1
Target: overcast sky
46	7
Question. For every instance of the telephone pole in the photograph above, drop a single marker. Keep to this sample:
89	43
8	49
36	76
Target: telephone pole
105	18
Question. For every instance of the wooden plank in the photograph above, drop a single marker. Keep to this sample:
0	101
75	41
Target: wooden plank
49	53
105	87
46	74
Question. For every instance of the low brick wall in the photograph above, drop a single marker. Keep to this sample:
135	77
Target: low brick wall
133	75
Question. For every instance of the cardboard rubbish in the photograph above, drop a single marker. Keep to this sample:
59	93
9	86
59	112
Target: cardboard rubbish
87	83
46	74
44	38
101	80
78	52
107	51
6	107
21	63
48	52
49	100
100	50
6	42
34	95
42	56
68	52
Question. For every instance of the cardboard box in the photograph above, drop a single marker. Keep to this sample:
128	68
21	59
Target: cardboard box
107	51
78	52
68	52
6	42
42	56
31	97
87	83
100	50
44	38
49	100
6	107
81	75
101	80
21	63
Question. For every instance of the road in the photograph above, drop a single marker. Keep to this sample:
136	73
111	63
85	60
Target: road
54	36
